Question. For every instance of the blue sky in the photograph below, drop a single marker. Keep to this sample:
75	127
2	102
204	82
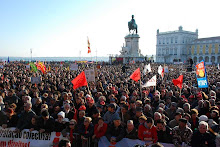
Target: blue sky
60	27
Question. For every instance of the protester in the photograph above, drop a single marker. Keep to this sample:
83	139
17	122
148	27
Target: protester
202	137
121	102
182	134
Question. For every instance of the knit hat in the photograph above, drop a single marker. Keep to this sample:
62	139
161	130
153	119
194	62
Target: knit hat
61	113
203	118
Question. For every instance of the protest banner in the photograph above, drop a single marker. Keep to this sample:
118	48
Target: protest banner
74	67
90	75
35	80
201	75
103	142
151	82
28	139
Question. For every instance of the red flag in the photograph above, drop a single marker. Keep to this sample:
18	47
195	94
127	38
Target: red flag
136	75
79	81
89	50
162	73
178	82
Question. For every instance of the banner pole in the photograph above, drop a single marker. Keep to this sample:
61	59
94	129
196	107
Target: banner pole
140	84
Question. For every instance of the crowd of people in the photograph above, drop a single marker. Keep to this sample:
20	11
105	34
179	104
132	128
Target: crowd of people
113	105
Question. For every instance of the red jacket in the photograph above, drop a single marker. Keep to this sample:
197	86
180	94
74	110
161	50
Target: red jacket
101	131
144	132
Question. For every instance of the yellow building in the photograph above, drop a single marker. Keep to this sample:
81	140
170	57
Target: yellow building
207	49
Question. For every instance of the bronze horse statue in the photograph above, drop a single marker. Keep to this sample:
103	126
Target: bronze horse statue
132	25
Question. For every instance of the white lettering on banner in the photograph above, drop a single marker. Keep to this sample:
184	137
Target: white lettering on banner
202	82
27	139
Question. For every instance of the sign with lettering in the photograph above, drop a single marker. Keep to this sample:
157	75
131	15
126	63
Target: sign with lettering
25	138
201	75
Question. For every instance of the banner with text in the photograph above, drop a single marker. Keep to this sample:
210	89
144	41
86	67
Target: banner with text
201	75
28	139
103	142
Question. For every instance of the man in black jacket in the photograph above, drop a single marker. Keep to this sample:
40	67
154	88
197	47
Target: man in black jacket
25	118
202	138
115	131
46	123
131	131
164	133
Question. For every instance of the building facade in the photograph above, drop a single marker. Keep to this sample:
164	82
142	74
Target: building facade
180	45
207	49
172	46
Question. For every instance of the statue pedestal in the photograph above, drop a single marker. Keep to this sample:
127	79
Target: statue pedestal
131	49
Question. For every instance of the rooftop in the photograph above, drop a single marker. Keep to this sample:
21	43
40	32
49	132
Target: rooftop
208	38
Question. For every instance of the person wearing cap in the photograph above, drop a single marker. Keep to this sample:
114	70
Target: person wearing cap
115	131
164	133
110	114
147	131
60	122
45	122
175	121
182	134
172	110
202	137
131	131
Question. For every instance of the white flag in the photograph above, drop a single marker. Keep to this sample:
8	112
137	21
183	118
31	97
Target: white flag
151	82
147	68
218	66
160	69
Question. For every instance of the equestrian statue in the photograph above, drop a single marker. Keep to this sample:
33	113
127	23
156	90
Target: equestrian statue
132	25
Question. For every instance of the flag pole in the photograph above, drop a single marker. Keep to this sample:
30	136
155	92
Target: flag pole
140	84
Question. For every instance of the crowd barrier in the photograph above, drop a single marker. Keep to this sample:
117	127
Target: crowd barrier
35	139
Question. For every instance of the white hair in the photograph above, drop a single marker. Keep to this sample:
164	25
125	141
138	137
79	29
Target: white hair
157	113
204	123
130	122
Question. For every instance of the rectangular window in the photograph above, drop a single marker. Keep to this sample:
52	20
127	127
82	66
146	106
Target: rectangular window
176	40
